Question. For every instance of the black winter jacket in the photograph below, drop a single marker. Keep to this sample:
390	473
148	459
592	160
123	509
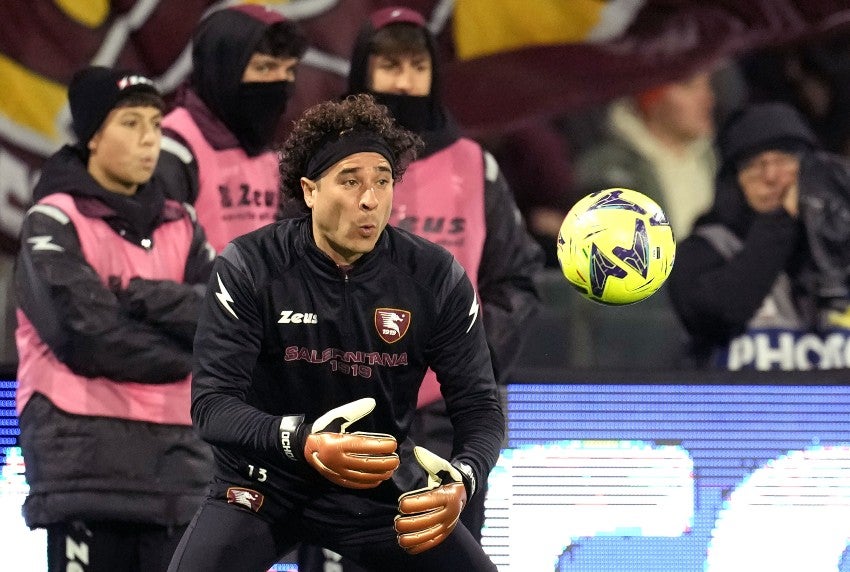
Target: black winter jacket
100	467
716	297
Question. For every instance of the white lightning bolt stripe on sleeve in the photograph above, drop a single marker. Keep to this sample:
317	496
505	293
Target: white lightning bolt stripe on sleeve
44	242
473	311
224	297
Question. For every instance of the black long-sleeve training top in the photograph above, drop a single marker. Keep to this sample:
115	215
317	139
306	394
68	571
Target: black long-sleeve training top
285	331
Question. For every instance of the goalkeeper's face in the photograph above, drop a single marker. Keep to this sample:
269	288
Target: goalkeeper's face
351	203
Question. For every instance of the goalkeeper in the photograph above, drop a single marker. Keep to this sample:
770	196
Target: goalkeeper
314	339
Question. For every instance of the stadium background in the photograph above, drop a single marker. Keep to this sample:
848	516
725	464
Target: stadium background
509	63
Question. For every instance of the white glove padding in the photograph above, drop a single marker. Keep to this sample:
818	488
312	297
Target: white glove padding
353	460
427	516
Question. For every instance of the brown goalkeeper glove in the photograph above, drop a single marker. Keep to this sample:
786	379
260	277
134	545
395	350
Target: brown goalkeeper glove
353	460
428	515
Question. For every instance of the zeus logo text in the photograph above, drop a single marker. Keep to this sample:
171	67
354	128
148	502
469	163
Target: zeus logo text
246	196
433	225
290	317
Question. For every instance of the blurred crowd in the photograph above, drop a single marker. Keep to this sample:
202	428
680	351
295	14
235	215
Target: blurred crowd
666	142
660	140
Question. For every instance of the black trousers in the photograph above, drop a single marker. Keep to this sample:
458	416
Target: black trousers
225	536
110	546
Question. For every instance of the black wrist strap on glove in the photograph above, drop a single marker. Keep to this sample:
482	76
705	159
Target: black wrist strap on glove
468	475
293	434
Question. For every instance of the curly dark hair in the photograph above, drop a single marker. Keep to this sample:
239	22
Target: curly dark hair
358	112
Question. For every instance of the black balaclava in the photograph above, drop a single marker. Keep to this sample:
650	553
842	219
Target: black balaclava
222	46
424	115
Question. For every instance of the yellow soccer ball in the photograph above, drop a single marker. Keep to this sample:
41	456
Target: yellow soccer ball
616	247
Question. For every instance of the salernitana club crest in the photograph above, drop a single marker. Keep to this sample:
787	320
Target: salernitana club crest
391	323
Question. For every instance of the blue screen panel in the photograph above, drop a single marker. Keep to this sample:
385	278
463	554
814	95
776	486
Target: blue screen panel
667	477
624	477
20	548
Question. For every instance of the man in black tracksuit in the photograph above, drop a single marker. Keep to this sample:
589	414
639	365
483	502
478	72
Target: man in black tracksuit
330	320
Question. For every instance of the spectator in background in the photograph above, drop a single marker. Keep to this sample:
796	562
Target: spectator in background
216	146
109	282
660	143
454	195
766	269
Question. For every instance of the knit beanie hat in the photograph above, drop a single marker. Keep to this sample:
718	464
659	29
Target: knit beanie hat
764	127
95	91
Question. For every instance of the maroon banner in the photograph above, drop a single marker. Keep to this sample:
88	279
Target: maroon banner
42	42
667	39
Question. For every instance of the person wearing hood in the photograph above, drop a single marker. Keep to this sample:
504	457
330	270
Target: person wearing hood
217	141
453	194
109	282
761	283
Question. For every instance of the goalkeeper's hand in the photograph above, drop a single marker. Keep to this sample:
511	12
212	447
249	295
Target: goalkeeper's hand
353	460
428	515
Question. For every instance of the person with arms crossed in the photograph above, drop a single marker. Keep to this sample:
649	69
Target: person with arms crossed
310	352
109	283
216	142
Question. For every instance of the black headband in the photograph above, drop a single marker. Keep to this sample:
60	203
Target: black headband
347	143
